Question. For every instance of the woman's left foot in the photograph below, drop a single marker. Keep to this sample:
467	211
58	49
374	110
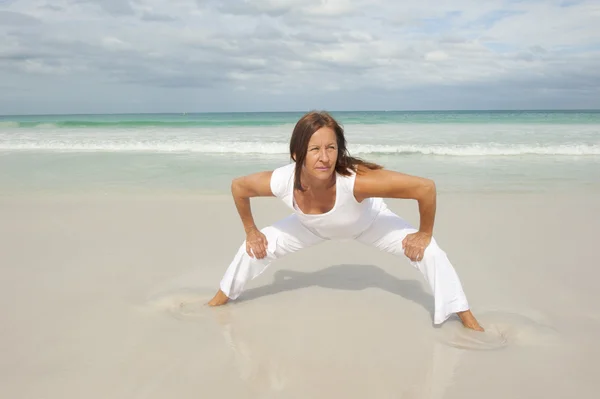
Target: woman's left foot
469	321
219	299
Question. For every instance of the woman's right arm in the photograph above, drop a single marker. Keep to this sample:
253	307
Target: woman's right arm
243	188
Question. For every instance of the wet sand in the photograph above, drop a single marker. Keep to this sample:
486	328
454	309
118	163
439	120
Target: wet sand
105	297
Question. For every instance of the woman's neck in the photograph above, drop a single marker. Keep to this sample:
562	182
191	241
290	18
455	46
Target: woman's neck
317	186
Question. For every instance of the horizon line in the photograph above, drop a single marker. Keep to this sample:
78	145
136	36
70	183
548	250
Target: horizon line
313	109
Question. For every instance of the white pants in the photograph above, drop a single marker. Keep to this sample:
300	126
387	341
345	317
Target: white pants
386	234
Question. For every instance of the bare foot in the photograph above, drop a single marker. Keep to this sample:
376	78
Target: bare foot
469	320
219	299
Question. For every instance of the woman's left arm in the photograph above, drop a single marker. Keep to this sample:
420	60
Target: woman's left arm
389	184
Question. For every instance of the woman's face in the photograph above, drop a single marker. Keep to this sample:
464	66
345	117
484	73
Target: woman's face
321	154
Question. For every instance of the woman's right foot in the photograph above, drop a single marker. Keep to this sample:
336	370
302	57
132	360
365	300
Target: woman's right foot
469	321
219	299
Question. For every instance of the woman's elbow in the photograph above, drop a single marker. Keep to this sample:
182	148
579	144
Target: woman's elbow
237	186
431	185
241	187
428	189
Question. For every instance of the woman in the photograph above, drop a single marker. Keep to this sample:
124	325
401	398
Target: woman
332	196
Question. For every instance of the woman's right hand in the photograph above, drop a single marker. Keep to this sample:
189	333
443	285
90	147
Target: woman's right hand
256	244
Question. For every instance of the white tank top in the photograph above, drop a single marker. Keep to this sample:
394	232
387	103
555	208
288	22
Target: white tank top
347	219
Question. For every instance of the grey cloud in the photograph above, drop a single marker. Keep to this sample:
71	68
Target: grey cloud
12	88
237	7
18	56
133	73
525	56
538	50
113	7
297	10
51	7
452	39
243	48
44	55
490	18
503	94
264	31
147	16
172	80
8	18
139	69
318	36
131	67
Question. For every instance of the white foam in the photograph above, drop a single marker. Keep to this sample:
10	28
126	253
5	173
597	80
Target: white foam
482	150
244	147
148	146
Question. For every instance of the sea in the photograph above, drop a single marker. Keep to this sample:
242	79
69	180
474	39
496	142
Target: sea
200	153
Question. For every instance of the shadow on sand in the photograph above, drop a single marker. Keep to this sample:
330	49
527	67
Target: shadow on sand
347	277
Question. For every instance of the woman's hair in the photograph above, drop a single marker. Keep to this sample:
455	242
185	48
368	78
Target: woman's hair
303	131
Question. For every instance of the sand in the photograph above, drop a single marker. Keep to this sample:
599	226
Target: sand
104	297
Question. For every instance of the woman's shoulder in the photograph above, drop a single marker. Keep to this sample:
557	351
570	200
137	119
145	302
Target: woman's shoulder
371	182
282	179
284	172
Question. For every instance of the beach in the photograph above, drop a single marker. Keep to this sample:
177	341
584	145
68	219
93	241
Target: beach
104	296
116	230
123	125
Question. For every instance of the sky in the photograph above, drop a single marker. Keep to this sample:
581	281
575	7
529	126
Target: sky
130	56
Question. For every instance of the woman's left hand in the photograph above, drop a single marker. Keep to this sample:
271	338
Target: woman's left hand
414	245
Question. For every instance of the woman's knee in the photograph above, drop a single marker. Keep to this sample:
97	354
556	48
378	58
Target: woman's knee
432	250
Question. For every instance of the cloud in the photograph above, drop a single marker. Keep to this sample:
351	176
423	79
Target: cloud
436	56
275	8
113	7
9	18
267	54
149	16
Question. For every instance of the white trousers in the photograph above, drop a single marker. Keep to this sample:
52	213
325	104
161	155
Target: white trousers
386	233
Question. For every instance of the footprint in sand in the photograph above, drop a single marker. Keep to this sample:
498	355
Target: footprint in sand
502	329
182	303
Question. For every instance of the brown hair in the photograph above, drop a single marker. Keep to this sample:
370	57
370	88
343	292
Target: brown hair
303	131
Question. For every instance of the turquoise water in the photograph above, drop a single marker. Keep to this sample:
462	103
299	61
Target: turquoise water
462	151
279	118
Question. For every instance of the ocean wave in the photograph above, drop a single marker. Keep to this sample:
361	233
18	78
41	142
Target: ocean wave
132	124
273	148
149	146
47	125
482	149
